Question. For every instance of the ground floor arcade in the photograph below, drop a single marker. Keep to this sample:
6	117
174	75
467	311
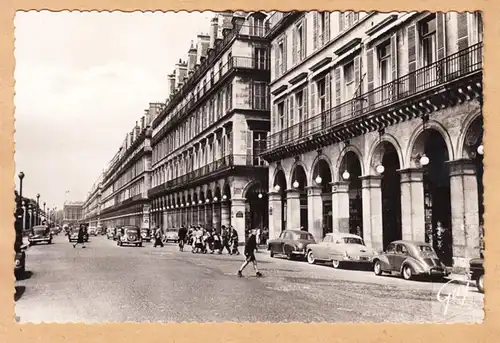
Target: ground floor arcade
418	180
237	201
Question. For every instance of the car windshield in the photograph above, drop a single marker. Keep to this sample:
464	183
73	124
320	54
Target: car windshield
131	231
352	240
145	230
172	230
39	230
303	236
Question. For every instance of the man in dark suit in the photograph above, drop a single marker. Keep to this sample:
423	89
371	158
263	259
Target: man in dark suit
250	247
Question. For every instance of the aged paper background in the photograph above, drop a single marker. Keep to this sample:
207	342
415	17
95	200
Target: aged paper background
236	332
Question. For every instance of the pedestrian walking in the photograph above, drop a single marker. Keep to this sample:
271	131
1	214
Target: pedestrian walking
182	237
158	240
234	241
258	237
81	237
250	247
225	240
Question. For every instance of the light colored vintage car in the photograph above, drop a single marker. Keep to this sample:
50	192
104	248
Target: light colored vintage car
171	235
340	249
411	259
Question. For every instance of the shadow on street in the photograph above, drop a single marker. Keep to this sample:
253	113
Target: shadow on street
19	292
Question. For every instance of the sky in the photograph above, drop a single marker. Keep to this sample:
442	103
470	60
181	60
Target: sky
82	81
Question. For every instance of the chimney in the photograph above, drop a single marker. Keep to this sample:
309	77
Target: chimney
137	129
191	58
237	22
180	72
171	84
143	122
214	30
202	46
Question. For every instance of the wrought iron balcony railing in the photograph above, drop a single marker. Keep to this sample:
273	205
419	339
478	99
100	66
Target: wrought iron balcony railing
224	163
453	67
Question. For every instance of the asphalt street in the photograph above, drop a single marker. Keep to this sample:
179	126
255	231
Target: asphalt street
107	283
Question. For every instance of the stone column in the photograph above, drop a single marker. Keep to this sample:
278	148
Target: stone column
464	212
372	211
275	215
238	217
315	212
292	209
225	213
340	206
412	204
216	215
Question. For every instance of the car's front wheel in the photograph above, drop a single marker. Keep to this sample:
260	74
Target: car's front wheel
377	268
310	257
479	283
336	264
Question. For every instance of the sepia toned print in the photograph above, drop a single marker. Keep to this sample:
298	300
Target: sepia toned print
287	166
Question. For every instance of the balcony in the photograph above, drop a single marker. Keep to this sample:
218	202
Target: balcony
409	96
235	63
211	170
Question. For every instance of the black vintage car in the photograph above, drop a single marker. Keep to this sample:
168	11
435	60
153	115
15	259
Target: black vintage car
476	272
291	243
40	233
129	235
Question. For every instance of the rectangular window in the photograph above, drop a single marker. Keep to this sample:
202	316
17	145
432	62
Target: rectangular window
260	58
322	27
321	95
281	59
260	96
349	80
259	146
300	42
427	30
281	115
384	57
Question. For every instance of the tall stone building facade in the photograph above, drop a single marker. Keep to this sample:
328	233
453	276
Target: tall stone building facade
376	127
92	205
126	181
207	141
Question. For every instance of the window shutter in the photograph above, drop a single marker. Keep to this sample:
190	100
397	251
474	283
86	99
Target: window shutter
305	99
251	94
327	91
463	32
326	33
341	21
285	59
338	93
276	61
440	32
394	56
412	58
304	39
249	147
357	84
291	108
315	30
313	99
294	45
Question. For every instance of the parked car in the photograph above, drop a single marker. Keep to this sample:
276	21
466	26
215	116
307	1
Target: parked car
476	272
116	233
20	262
171	235
40	233
92	231
146	235
129	235
411	259
291	243
73	235
110	233
340	249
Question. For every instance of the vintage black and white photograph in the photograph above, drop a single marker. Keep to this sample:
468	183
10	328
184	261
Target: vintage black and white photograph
249	167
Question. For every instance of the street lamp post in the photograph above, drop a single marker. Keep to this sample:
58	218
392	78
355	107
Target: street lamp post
37	207
19	205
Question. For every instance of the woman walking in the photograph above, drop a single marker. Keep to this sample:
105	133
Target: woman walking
81	238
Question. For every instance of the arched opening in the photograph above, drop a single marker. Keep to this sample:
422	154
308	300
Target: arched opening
217	210
299	182
386	163
280	187
351	172
195	209
323	177
207	224
473	149
437	198
256	213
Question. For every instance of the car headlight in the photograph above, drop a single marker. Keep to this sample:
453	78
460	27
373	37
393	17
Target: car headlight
18	263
